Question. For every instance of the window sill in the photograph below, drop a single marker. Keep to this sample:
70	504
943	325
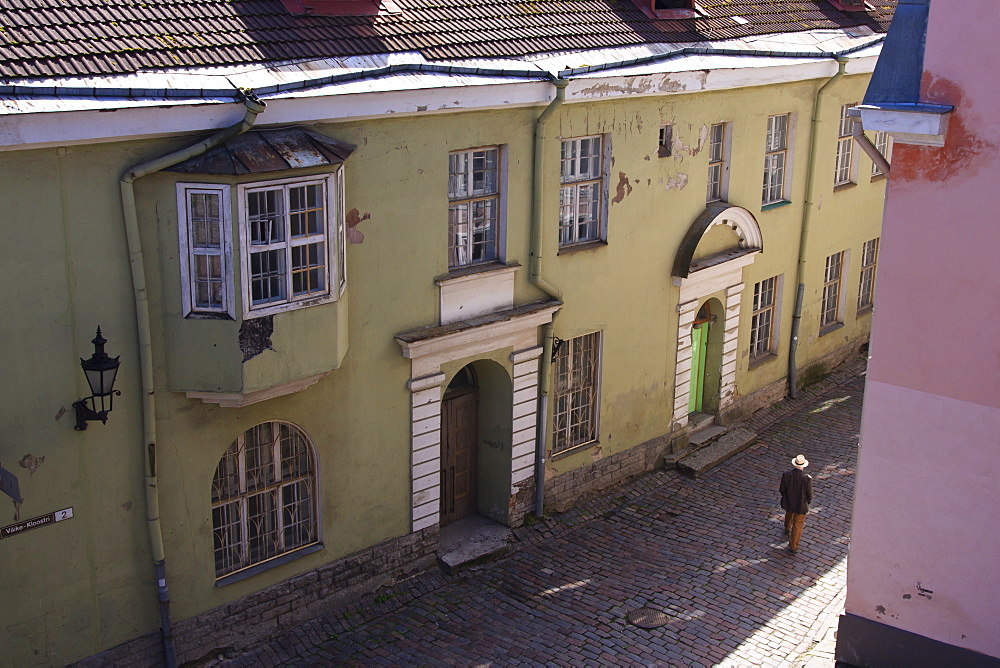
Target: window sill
763	359
878	177
830	328
268	565
576	448
867	310
263	309
775	205
475	270
585	246
844	186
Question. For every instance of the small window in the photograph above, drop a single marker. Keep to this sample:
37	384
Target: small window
845	149
775	159
205	233
884	147
718	168
831	311
665	148
869	260
292	247
581	195
263	497
577	376
762	323
474	206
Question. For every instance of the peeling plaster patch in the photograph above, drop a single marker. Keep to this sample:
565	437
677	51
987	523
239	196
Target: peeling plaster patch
550	472
676	182
31	463
421	107
255	336
127	506
355	218
907	596
961	151
61	412
597	453
880	609
623	190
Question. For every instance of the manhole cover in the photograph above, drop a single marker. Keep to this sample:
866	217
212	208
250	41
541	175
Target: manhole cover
647	618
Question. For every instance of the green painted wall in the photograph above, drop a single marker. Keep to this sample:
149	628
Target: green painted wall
64	206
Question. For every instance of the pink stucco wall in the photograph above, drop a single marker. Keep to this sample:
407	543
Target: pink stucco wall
926	530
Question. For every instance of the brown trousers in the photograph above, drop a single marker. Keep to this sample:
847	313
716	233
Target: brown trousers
793	527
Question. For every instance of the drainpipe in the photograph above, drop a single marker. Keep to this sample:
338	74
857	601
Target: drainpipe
858	132
253	107
535	276
806	217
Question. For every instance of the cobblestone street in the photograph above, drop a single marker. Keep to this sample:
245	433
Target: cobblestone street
710	553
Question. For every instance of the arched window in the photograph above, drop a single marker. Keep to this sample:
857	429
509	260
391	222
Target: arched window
263	497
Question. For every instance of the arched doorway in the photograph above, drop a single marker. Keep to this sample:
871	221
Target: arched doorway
459	441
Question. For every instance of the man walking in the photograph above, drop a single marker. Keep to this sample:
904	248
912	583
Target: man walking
796	495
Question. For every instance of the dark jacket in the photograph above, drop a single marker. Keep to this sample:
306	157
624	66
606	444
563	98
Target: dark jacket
796	491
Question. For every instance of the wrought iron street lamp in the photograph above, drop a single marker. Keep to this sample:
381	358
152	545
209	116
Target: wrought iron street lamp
100	370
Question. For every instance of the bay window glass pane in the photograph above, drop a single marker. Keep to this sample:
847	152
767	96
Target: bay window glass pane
267	276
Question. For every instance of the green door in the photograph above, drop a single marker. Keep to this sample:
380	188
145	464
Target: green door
699	349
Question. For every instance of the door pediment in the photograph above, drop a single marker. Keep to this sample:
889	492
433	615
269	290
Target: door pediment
746	239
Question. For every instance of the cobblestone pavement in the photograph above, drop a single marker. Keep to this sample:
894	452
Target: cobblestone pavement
710	553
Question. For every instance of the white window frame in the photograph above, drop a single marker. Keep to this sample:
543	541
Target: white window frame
846	166
833	295
765	315
869	263
231	507
576	396
883	143
189	253
472	195
333	246
573	180
777	159
719	141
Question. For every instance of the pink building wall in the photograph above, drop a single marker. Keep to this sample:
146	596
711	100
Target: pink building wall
925	550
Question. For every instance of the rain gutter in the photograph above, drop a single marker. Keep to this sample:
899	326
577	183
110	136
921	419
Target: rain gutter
806	219
535	276
253	107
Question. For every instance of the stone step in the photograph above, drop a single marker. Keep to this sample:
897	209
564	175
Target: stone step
706	434
722	448
471	541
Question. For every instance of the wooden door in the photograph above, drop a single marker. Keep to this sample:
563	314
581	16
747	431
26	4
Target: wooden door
459	436
699	350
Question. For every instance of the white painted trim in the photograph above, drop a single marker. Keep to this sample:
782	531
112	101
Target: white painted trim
712	279
239	400
425	430
186	254
332	245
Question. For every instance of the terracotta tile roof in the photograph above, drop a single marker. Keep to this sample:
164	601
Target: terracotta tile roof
56	38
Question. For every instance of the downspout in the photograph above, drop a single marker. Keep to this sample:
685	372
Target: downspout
858	132
535	276
806	217
253	107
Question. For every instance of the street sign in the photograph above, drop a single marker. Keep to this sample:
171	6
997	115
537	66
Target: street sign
35	522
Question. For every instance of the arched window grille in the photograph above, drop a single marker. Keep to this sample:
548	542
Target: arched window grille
263	497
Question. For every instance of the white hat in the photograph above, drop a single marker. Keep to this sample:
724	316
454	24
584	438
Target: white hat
800	462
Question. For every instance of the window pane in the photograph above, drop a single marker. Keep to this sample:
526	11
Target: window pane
228	538
208	282
308	269
306	210
205	220
267	276
265	217
458	173
458	235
